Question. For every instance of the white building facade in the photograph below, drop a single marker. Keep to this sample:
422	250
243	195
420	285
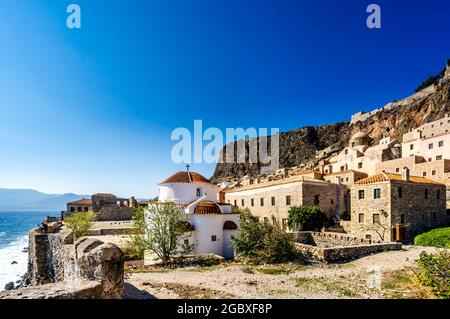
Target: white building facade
212	223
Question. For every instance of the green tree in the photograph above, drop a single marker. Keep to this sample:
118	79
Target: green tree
79	223
263	242
161	226
434	272
306	218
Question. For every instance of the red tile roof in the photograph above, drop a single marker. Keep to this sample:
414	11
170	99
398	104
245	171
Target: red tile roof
207	208
81	202
388	177
186	177
229	225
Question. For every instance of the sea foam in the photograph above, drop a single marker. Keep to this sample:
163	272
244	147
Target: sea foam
13	252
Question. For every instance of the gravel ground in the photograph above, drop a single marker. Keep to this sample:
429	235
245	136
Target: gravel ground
233	280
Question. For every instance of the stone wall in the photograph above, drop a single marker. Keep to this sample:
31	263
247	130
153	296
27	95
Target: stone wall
114	214
87	269
335	247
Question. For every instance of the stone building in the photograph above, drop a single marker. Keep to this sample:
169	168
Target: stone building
107	207
274	199
359	156
392	207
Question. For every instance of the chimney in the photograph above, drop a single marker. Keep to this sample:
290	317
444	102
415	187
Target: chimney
405	175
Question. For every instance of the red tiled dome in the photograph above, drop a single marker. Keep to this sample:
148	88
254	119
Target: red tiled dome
186	177
207	208
229	225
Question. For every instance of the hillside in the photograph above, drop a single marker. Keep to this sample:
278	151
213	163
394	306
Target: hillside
308	144
28	199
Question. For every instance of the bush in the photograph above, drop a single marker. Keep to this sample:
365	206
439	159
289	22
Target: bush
306	218
79	223
439	237
263	242
434	272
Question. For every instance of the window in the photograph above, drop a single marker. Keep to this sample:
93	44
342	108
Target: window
346	152
411	147
441	143
361	218
243	202
332	202
424	174
433	172
360	165
235	202
377	193
252	202
198	192
397	170
376	218
361	194
426	193
316	200
402	219
79	209
430	146
86	209
284	224
262	201
213	238
273	201
288	200
438	158
72	209
400	192
368	237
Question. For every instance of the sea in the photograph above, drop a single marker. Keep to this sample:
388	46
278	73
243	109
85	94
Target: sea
14	228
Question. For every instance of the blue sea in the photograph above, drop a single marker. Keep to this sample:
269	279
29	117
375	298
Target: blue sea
14	228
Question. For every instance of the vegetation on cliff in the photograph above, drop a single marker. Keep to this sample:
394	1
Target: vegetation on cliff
79	223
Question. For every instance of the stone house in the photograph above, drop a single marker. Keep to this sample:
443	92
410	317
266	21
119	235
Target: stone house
272	200
394	207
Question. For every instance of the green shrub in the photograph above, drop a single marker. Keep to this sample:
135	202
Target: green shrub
439	237
434	272
79	223
263	242
306	218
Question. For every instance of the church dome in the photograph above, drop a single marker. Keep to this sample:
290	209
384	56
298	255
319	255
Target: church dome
186	178
207	208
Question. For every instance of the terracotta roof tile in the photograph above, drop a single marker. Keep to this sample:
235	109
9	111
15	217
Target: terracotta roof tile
388	177
81	202
229	225
186	177
207	208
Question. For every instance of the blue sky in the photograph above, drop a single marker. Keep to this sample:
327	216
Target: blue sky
92	110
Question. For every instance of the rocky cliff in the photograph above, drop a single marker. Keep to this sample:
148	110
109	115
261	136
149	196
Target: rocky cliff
307	145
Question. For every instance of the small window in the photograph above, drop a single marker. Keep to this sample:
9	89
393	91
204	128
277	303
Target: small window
273	201
243	202
284	224
252	202
79	209
433	172
361	194
361	218
316	200
213	238
411	147
441	143
376	218
426	193
86	209
198	192
438	158
262	201
430	146
397	170
402	219
288	200
346	152
400	192
368	237
377	193
72	209
235	202
360	165
424	174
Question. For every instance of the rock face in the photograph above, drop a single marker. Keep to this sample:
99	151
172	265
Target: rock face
310	144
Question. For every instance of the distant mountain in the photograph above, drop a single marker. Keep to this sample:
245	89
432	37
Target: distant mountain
29	199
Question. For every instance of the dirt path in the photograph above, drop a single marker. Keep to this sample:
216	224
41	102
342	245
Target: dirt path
347	280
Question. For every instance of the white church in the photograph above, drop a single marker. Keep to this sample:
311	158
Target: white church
212	223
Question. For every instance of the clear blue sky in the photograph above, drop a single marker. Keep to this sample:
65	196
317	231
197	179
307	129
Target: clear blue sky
92	110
